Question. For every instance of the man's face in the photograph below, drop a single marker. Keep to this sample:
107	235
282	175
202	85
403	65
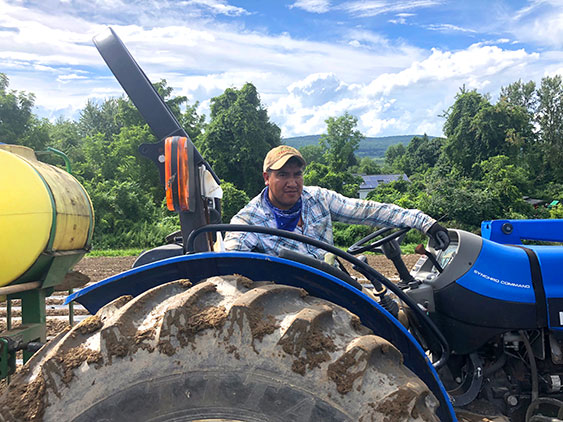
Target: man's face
285	184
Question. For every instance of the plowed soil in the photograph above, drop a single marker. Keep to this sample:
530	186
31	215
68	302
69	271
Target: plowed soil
98	268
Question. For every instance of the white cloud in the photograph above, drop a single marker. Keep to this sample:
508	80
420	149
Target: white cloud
540	22
313	6
70	77
446	27
369	8
319	88
218	7
392	86
406	101
476	60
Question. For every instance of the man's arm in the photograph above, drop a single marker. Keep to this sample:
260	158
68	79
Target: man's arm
373	213
240	241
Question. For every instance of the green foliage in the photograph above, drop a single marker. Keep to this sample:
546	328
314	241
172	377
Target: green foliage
345	235
394	153
144	234
556	211
100	119
493	156
366	166
317	174
421	154
233	201
313	154
18	125
115	252
341	142
496	193
193	123
238	138
477	130
64	135
399	192
521	94
550	120
414	237
373	147
15	111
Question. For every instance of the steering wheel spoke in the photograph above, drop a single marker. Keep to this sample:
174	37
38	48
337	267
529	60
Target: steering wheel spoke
364	244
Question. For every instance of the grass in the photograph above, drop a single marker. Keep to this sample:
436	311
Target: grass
409	248
406	249
115	252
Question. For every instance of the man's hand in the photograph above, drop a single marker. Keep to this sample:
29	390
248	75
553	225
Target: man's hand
439	235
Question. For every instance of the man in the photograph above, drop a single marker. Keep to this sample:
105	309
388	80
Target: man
286	204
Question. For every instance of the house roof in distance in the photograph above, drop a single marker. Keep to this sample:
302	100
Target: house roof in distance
371	181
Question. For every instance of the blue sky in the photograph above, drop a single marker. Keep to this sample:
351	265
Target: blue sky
395	65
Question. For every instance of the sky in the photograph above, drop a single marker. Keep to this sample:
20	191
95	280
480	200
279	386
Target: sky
396	65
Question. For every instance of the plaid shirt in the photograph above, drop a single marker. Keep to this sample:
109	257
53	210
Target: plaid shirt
320	207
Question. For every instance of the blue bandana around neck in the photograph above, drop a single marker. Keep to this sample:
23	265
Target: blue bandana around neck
285	219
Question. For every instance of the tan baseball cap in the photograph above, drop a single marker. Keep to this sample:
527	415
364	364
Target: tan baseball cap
278	156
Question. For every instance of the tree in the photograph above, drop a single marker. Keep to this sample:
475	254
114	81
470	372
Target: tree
397	192
520	94
16	117
394	152
100	119
366	166
341	141
494	191
233	201
193	122
461	144
505	179
65	137
477	130
550	120
313	154
238	137
502	129
421	154
317	174
37	134
189	119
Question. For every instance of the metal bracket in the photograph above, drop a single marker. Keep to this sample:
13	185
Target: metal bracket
470	387
7	359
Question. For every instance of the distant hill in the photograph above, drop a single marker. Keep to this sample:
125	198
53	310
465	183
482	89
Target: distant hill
369	147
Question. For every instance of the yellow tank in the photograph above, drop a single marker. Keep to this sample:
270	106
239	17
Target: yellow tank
44	213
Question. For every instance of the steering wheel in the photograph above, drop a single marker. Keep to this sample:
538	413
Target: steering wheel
362	246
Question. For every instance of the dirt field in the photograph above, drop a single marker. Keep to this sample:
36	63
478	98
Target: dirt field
98	268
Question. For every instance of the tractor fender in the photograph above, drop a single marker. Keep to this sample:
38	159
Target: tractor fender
259	267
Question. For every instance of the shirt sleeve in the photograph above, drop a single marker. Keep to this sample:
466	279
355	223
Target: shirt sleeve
240	241
372	213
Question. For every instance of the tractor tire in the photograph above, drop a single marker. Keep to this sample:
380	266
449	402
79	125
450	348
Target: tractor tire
225	349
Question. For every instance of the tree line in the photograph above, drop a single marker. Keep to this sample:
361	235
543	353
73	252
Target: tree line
493	155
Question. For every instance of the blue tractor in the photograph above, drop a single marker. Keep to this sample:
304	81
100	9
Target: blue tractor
472	333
